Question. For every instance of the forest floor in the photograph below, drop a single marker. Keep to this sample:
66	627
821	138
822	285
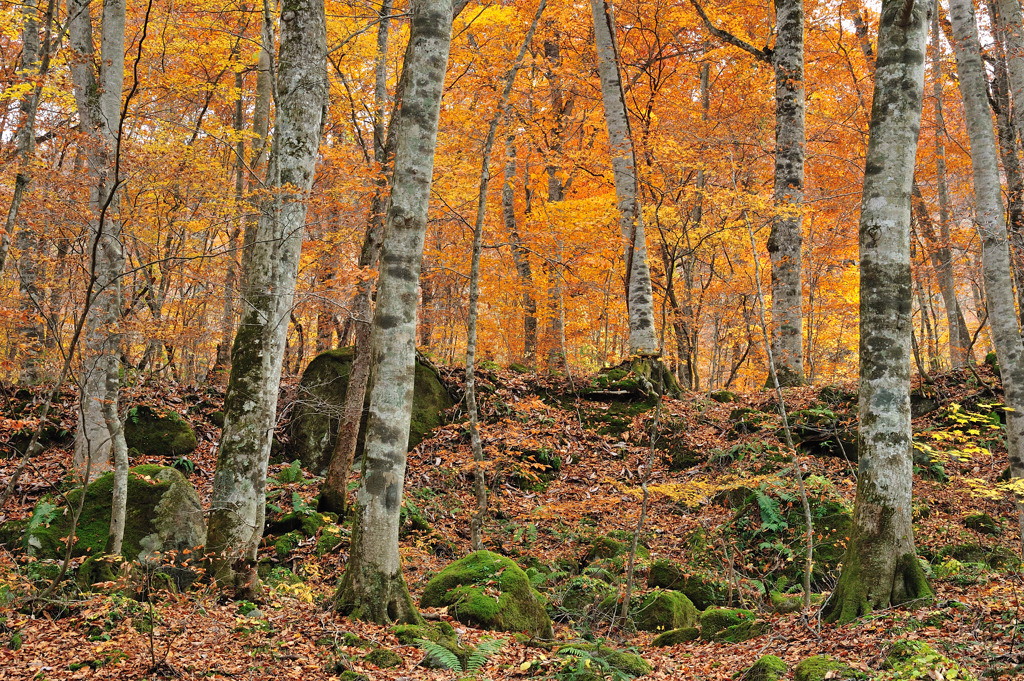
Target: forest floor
695	519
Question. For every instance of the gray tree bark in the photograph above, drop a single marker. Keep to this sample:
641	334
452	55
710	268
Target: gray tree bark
991	223
881	566
99	440
250	406
520	256
373	587
785	243
639	297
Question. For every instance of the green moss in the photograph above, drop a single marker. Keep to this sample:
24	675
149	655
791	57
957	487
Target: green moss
702	590
983	523
349	675
817	668
490	591
732	625
676	636
664	611
768	668
629	664
611	549
217	418
158	433
383	658
584	592
163	514
287	543
97	569
723	396
441	633
316	416
519	368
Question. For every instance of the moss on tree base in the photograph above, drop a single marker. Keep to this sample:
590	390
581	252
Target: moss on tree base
856	594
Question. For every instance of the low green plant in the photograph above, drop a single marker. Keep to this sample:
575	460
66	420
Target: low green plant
475	661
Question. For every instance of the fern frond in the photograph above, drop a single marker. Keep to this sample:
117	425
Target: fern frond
478	658
573	652
438	653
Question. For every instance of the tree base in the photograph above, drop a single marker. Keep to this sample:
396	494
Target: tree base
331	501
371	596
788	378
857	594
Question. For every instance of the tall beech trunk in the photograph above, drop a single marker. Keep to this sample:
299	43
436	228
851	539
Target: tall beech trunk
959	336
98	83
334	490
881	566
373	587
785	242
250	405
554	328
991	223
639	297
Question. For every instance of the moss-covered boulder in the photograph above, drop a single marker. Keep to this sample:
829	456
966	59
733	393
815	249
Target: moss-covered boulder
320	403
768	668
164	515
702	590
584	593
821	667
489	591
983	523
676	636
383	658
731	625
628	664
664	611
158	432
615	552
723	396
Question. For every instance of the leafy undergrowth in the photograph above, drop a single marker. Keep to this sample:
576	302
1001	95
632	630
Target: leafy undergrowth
565	475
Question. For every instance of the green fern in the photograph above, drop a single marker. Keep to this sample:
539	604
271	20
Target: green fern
478	658
439	654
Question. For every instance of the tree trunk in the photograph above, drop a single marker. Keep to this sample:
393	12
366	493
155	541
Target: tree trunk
785	243
99	440
334	490
250	405
639	297
990	219
373	587
881	566
520	256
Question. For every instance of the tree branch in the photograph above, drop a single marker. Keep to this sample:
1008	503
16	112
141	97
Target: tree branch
764	55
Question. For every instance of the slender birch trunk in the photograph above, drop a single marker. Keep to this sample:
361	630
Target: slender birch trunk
373	587
990	220
250	406
639	297
881	566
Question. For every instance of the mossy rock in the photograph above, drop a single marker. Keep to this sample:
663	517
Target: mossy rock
832	522
519	368
613	550
217	418
723	396
584	593
490	591
630	664
97	569
993	361
768	668
383	658
664	611
965	553
1002	558
821	667
319	406
676	636
286	543
12	534
730	625
702	590
156	432
164	515
349	675
983	523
